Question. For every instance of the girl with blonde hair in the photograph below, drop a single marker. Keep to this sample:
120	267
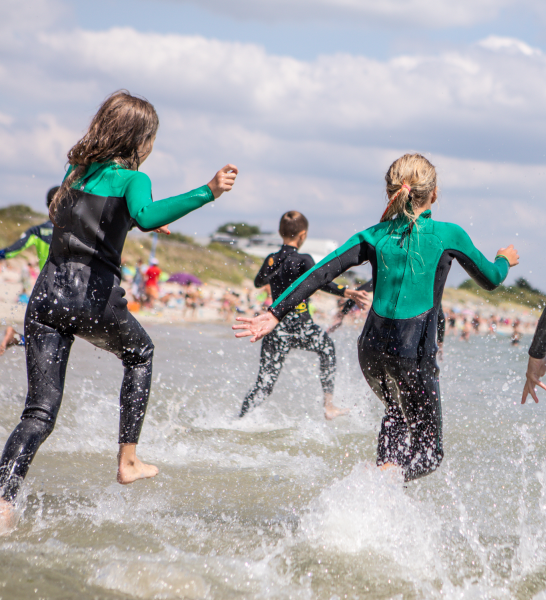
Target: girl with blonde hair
411	255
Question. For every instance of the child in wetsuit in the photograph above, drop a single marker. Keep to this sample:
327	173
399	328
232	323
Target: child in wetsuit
297	330
78	292
38	236
410	255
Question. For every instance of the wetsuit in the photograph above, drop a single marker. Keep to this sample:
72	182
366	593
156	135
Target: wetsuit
78	293
297	330
38	236
397	347
538	345
368	287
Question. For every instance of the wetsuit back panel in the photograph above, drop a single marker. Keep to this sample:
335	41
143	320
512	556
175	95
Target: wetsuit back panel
406	269
92	227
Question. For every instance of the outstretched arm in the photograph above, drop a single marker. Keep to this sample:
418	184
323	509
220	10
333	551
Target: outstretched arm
353	252
150	215
25	241
485	273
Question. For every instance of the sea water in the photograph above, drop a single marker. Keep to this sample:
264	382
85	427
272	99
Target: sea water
281	504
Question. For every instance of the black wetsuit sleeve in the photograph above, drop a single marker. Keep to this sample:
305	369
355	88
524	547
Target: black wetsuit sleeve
366	287
331	288
353	252
441	328
264	274
538	345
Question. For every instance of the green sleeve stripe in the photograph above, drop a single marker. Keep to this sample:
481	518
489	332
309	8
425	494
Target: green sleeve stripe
31	241
350	243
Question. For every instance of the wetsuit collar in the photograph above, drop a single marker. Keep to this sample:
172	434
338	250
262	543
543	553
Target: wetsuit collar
288	248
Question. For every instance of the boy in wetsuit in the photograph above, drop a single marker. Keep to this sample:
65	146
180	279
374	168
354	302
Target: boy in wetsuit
298	329
38	236
410	255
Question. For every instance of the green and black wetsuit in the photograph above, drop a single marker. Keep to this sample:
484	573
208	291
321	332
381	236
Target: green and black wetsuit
38	236
78	293
397	347
296	331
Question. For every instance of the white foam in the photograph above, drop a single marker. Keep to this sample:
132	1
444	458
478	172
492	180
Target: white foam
150	580
369	511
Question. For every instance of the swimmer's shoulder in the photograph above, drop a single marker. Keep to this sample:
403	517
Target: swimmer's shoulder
120	176
451	235
373	235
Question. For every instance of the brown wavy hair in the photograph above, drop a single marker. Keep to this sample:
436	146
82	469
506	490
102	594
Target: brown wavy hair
123	125
411	178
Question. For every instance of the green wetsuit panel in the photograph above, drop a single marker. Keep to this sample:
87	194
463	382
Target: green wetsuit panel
410	264
38	236
111	179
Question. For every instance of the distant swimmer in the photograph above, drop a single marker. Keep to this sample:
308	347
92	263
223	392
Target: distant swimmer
397	347
78	293
349	305
516	333
297	330
38	236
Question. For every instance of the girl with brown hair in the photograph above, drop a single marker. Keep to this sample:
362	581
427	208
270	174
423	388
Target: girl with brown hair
410	255
78	292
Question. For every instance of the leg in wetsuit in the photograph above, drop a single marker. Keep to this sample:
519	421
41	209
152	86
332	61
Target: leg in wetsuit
411	430
72	299
293	331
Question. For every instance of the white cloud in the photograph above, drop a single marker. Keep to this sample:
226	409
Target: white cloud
509	45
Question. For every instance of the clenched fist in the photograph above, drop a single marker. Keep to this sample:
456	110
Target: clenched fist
223	180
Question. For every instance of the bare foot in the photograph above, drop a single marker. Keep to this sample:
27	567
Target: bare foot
8	517
130	468
332	412
2	349
131	471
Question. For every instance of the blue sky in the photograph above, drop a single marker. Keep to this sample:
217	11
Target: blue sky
306	38
312	99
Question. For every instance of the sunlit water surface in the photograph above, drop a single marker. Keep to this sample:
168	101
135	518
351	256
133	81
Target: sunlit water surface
281	504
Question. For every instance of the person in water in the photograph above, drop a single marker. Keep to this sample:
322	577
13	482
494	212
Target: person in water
411	255
78	292
297	330
38	236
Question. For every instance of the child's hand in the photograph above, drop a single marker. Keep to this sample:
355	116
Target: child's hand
164	229
536	369
223	180
258	327
511	254
362	299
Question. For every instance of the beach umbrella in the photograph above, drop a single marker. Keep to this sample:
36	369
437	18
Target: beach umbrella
184	279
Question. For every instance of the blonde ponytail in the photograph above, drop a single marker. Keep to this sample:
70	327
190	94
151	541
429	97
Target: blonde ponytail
411	178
